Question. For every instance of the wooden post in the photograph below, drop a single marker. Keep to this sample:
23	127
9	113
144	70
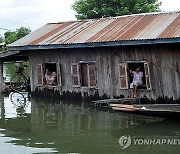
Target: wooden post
2	110
1	75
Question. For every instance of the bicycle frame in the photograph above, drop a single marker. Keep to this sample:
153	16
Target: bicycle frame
18	86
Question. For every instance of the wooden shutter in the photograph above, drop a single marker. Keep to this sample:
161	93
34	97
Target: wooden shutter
84	75
75	75
123	76
92	74
147	76
39	75
58	68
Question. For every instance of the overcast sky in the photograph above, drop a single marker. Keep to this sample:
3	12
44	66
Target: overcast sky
35	13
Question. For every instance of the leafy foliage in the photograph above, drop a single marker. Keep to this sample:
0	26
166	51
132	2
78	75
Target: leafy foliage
10	37
88	9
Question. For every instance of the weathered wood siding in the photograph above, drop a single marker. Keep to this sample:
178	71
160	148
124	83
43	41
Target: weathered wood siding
164	63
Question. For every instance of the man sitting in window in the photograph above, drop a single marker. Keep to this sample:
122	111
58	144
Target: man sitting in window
137	81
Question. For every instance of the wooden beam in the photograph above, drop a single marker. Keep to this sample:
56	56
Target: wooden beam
1	75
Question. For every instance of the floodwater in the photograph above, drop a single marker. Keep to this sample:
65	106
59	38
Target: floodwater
48	125
44	125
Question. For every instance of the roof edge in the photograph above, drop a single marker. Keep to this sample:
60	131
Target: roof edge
96	44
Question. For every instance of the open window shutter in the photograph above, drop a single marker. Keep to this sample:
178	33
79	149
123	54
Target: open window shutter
39	75
84	74
147	76
123	76
58	67
92	74
75	75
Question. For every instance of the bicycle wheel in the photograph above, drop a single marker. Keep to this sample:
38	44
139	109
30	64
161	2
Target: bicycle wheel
19	102
17	82
17	99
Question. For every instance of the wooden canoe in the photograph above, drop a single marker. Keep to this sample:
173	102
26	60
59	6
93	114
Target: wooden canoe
158	110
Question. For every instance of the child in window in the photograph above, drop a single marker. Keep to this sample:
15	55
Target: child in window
47	77
137	81
53	79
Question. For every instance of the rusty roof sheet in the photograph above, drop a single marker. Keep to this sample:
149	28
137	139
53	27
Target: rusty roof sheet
130	27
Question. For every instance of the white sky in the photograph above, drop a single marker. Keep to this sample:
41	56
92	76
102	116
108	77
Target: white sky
36	13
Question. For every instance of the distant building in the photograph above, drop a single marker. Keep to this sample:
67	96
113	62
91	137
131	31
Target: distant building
92	58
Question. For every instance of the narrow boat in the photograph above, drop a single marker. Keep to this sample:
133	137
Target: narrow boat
157	110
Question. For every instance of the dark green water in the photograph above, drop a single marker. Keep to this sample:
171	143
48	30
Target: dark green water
46	125
54	126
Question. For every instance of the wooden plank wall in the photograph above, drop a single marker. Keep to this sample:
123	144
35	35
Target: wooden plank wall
163	61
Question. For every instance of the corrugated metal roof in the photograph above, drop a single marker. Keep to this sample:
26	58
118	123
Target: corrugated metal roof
124	28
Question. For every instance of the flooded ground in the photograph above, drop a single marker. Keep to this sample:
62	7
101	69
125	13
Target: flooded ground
44	125
47	125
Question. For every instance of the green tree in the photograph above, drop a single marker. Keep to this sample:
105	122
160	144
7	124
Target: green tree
88	9
22	31
10	37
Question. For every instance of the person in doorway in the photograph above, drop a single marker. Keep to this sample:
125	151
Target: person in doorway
137	81
47	77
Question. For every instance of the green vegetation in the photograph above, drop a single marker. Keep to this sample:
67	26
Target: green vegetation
10	37
88	9
9	69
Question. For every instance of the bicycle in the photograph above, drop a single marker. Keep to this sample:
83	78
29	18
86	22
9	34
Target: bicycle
20	80
20	101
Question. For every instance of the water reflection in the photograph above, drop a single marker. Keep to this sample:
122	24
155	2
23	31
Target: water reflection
20	101
15	125
73	127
